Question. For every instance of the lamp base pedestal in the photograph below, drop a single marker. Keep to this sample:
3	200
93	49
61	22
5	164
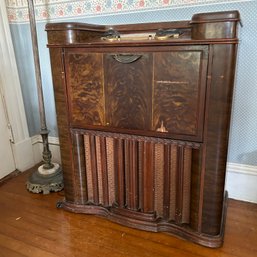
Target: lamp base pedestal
46	180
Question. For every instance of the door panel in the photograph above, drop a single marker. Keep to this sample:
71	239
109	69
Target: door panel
7	164
178	86
85	87
128	80
159	93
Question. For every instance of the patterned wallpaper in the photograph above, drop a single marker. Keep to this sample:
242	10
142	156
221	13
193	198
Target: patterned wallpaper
58	9
243	139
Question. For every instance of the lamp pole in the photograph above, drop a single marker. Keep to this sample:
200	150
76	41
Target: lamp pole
48	177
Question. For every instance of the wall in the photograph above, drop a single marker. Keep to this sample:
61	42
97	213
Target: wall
243	140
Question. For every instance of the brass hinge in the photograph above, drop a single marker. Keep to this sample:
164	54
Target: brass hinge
10	132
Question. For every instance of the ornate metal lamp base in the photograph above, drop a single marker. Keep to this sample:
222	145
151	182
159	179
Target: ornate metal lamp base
46	180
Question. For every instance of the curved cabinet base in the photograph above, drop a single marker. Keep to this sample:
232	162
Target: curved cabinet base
148	222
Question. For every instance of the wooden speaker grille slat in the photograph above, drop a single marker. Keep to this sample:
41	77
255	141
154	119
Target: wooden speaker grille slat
131	174
147	182
88	169
79	168
186	185
173	187
140	176
93	160
159	179
110	170
99	170
119	170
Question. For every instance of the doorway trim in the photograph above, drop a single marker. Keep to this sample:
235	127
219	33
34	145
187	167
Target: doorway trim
11	90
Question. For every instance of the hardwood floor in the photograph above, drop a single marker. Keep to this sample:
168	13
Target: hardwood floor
30	225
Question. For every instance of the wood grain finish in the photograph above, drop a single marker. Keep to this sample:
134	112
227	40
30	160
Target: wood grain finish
61	103
86	93
104	91
128	92
207	26
216	141
179	90
79	169
144	123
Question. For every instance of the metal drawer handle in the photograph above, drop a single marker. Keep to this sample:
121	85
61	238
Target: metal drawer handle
126	58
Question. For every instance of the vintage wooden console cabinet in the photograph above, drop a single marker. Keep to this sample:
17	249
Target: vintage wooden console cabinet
143	113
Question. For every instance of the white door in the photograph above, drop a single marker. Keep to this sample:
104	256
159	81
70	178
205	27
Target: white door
7	164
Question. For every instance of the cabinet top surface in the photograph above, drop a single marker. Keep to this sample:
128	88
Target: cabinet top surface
217	27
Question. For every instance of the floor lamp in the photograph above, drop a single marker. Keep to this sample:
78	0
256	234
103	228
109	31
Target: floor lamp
48	177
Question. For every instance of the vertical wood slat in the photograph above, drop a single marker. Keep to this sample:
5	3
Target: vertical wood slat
134	186
179	183
94	174
173	186
126	171
140	175
119	172
166	182
79	169
186	185
99	171
88	169
131	174
104	170
110	169
148	177
159	179
104	164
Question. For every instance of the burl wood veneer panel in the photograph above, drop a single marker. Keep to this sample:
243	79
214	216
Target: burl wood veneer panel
128	91
179	90
85	87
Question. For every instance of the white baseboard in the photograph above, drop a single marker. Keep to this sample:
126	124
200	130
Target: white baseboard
241	180
23	154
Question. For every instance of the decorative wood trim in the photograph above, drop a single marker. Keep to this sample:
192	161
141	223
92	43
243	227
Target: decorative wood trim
155	140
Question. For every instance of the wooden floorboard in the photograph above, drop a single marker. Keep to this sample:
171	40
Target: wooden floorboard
30	225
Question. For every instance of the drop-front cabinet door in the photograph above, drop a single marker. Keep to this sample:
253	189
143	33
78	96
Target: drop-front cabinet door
179	91
161	93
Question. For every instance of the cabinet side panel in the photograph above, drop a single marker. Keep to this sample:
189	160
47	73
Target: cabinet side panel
62	120
195	188
79	169
216	136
